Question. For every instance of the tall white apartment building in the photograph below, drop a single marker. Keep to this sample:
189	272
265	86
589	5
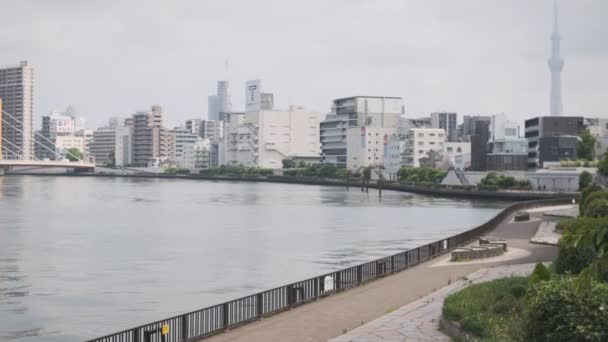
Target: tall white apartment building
17	94
367	146
123	146
201	154
263	136
266	137
419	142
184	147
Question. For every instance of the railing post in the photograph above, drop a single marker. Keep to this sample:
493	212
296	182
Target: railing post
338	281
225	316
184	334
136	335
260	304
418	255
392	264
359	274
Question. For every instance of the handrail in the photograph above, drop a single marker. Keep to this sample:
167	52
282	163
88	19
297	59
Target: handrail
214	319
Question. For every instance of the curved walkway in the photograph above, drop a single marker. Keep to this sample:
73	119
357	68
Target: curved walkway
343	312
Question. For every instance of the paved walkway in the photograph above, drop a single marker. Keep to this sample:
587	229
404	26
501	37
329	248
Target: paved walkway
330	317
418	321
546	234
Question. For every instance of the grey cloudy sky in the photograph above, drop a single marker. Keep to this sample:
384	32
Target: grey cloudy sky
113	57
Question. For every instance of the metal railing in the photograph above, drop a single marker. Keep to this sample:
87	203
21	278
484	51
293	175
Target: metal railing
205	322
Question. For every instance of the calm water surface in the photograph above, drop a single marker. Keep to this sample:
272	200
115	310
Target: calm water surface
83	257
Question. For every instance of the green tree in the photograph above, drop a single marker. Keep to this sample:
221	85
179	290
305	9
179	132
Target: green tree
111	159
73	154
602	166
584	180
586	146
288	163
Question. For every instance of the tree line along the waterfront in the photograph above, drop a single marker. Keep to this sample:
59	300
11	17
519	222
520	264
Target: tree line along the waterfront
568	301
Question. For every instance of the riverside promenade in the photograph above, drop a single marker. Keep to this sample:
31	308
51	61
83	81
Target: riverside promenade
331	317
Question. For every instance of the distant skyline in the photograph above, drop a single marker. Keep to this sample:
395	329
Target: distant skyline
110	58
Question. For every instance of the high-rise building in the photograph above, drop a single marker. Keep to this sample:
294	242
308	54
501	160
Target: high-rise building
194	126
150	141
220	103
357	111
17	94
123	146
556	65
184	147
44	146
266	137
448	122
479	146
552	138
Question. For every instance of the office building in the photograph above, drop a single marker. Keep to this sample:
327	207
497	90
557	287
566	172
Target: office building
103	145
552	138
355	112
507	155
469	125
448	122
479	146
17	94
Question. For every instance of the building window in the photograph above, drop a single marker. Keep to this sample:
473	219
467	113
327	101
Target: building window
458	149
421	135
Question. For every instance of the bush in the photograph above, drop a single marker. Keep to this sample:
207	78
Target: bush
558	312
590	198
420	174
492	182
518	291
597	208
571	259
584	180
490	310
585	194
540	274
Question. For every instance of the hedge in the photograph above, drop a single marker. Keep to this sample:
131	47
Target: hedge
557	312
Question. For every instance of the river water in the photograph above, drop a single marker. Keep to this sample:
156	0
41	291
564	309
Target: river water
83	257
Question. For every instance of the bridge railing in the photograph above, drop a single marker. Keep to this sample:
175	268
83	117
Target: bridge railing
217	318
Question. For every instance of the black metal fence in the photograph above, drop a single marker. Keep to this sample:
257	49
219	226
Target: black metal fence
211	320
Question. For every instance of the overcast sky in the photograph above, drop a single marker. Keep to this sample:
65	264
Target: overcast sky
109	58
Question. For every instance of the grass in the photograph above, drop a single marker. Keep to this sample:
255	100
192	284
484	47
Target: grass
492	311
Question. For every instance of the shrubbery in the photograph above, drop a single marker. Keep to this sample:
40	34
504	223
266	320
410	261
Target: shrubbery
420	175
585	194
556	311
236	170
495	181
491	311
590	198
573	259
